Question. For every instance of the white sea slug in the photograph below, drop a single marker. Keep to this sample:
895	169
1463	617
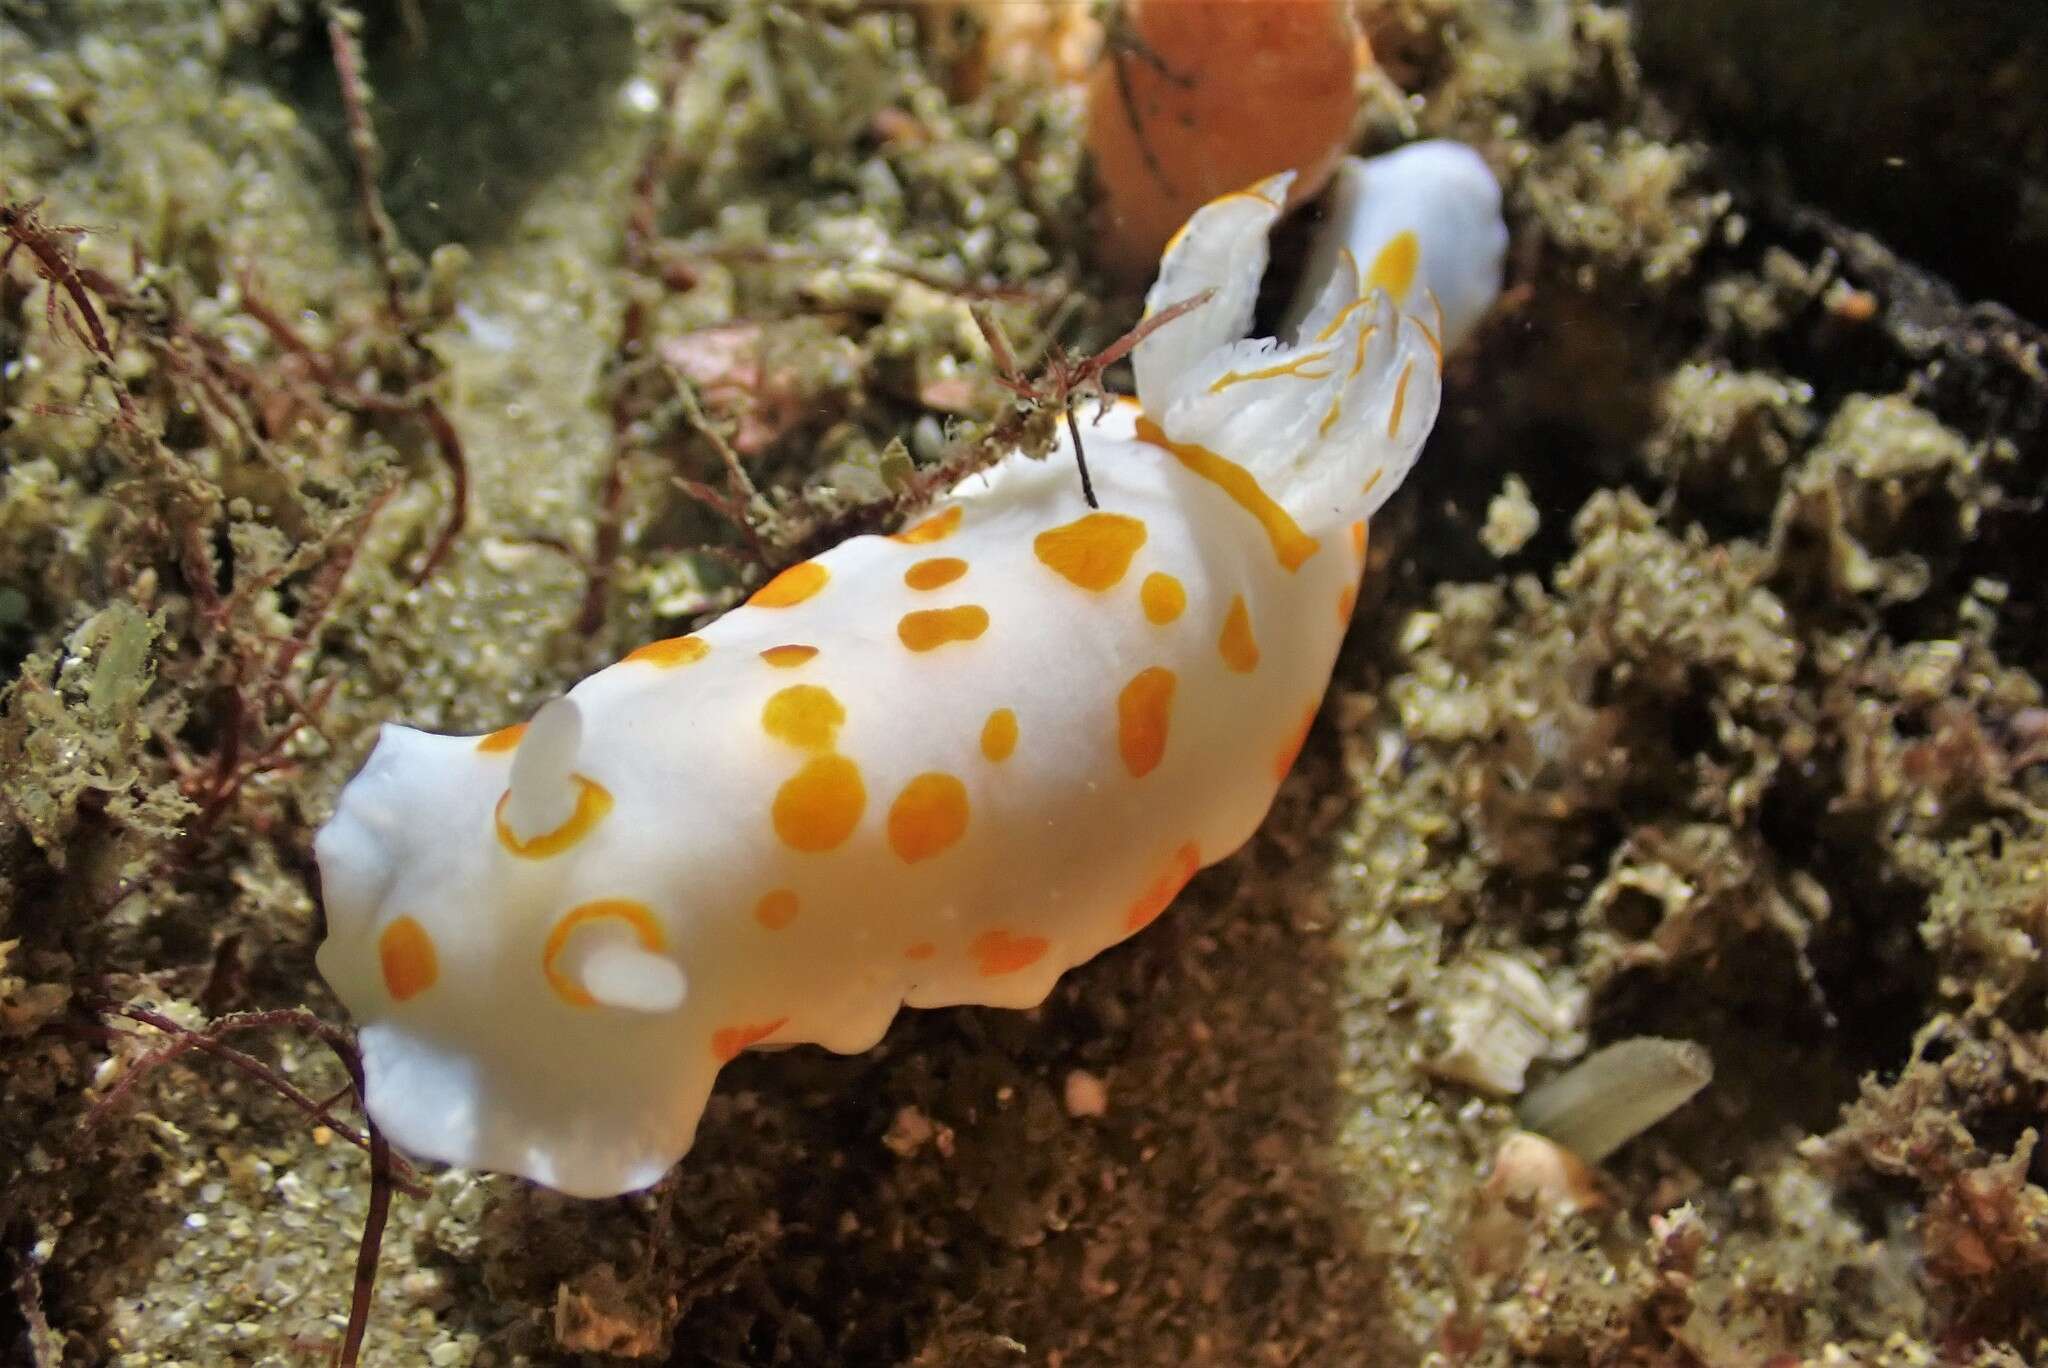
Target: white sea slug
1427	219
934	768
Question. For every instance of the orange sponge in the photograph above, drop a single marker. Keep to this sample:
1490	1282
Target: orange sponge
1195	98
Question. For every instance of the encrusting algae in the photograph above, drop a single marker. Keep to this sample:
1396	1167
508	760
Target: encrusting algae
1699	675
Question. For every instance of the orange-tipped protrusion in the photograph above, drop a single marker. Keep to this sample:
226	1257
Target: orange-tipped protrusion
1192	99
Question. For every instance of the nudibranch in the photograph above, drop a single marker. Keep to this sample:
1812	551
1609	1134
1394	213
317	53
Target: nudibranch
931	768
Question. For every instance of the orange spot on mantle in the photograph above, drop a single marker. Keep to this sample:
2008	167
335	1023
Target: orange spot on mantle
1144	711
1093	551
927	629
1162	598
405	952
938	527
593	801
1240	651
935	572
777	908
791	587
728	1041
804	716
999	735
503	739
928	817
998	952
1291	545
818	808
1358	539
671	652
788	657
637	915
1161	892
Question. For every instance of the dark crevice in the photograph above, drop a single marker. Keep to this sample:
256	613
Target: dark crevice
462	152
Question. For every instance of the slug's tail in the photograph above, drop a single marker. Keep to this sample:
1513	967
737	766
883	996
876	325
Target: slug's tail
1329	422
1423	223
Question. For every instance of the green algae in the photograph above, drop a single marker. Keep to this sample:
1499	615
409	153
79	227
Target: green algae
1694	677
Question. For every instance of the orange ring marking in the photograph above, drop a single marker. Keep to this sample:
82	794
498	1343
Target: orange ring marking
635	914
593	801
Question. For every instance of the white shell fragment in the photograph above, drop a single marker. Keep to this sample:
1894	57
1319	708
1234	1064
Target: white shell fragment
1501	1017
1538	1173
933	768
1533	1182
1615	1094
